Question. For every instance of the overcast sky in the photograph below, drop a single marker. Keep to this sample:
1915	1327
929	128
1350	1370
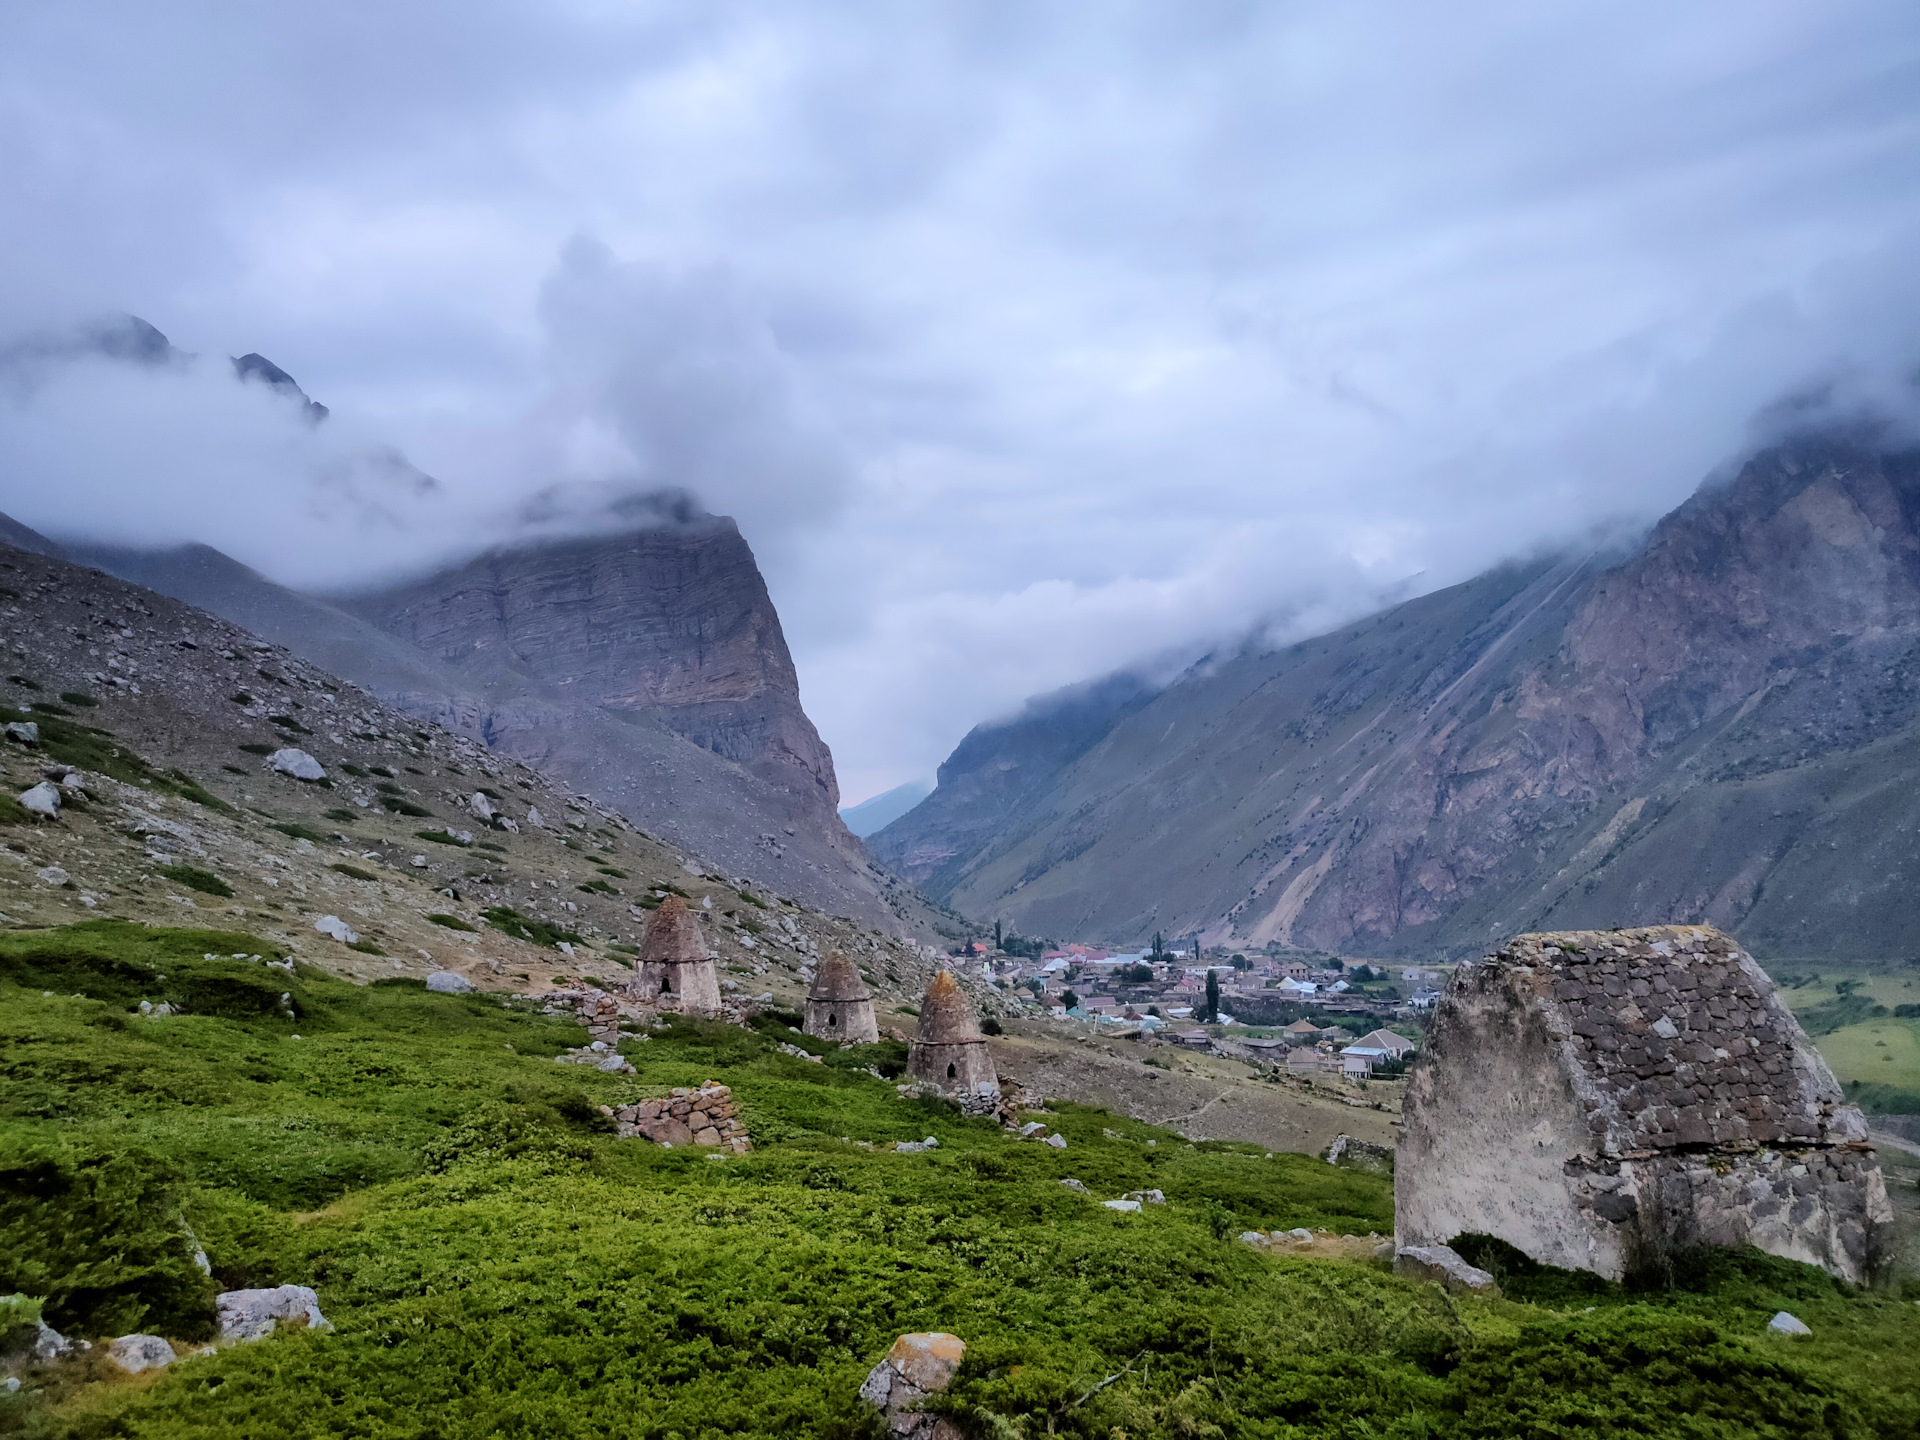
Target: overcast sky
1024	340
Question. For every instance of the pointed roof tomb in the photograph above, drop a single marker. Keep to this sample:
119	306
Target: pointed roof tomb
948	1049
1603	1100
675	972
839	1005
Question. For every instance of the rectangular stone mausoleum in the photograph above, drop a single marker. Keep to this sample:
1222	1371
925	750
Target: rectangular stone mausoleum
1602	1100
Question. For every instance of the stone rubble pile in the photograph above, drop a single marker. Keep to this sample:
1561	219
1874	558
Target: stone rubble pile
706	1116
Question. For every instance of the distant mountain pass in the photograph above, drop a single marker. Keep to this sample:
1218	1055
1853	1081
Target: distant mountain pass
1723	726
883	809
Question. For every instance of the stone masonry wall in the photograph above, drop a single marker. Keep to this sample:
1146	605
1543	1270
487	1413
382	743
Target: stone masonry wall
706	1116
1602	1100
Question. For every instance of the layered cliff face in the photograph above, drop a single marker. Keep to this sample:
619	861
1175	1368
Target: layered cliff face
1722	727
734	773
673	624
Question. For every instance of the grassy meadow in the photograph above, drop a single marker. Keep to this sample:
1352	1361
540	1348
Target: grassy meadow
1867	1025
496	1262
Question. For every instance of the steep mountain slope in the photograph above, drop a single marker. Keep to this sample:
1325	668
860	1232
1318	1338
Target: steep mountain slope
744	822
994	771
177	818
648	668
1724	726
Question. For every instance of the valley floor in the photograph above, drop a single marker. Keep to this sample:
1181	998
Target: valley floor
496	1261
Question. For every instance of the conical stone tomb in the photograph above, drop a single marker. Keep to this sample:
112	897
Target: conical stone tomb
948	1049
839	1005
675	973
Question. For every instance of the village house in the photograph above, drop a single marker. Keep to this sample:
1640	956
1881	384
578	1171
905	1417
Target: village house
1381	1045
1306	1061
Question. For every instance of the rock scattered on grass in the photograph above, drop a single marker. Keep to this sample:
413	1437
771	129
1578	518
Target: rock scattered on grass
42	800
134	1353
254	1314
296	763
1442	1265
1785	1324
448	982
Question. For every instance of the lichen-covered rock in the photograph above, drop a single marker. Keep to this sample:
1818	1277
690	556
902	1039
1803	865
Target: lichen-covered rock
134	1353
1440	1264
917	1366
1601	1100
255	1314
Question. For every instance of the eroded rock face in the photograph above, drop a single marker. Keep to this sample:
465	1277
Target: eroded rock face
1604	1099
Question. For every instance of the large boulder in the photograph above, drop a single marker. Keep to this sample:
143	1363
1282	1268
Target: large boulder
917	1366
42	800
334	926
448	982
24	731
255	1314
134	1353
296	763
1444	1266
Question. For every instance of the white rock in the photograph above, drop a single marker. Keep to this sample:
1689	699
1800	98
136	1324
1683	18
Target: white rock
1057	1141
297	763
49	1344
1030	1129
419	862
134	1353
480	807
1147	1197
506	823
74	780
1076	1187
460	837
533	818
52	874
336	927
253	1314
1441	1264
43	799
25	731
1785	1324
446	982
1127	1205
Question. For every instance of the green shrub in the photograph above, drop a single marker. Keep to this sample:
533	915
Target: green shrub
80	698
259	749
342	815
365	947
353	872
405	807
441	837
509	921
452	922
298	831
194	878
99	1234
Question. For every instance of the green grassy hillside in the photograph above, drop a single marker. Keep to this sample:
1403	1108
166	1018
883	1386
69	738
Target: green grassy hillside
496	1262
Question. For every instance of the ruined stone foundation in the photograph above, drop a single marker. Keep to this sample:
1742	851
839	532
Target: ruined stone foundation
675	973
839	1005
948	1049
1603	1100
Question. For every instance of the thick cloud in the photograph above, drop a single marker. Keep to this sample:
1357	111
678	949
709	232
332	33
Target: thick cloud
1024	341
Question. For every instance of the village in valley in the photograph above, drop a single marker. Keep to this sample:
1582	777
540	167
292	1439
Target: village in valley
1304	1012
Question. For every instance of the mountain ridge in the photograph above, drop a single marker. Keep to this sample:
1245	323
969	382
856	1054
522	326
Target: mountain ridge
1720	726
